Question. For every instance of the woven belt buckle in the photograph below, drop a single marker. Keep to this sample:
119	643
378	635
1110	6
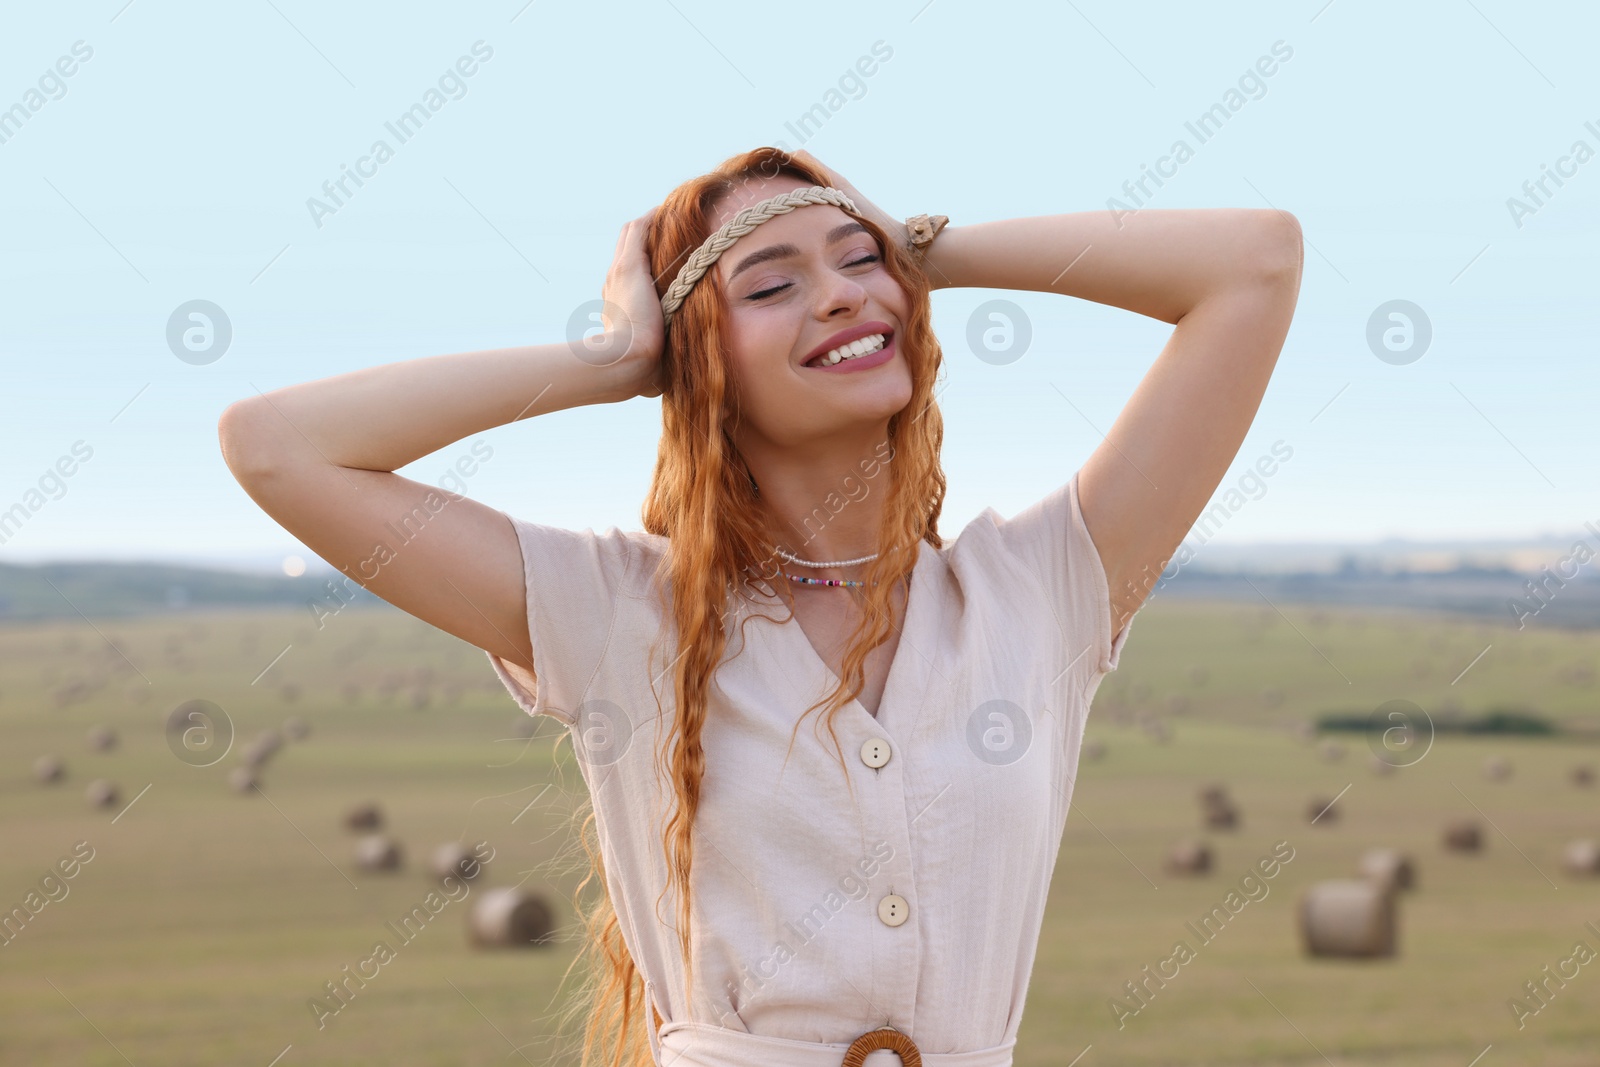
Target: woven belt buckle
885	1037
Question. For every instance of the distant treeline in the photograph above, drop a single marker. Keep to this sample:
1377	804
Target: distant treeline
1496	721
1494	595
99	590
62	590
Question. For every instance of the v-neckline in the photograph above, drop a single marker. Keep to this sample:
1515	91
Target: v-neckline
914	607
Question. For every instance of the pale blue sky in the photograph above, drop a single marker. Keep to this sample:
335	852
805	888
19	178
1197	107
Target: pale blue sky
176	161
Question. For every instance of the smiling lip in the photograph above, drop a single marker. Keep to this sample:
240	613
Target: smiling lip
866	362
844	337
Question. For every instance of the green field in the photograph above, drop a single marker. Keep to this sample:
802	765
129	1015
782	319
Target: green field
207	918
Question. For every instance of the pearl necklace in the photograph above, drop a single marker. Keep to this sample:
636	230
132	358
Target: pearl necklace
792	558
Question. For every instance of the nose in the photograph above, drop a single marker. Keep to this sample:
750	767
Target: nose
843	296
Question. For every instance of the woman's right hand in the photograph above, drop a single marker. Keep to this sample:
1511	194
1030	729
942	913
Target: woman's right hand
631	313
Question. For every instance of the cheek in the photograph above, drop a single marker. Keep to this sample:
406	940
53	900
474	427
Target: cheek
887	292
762	345
759	359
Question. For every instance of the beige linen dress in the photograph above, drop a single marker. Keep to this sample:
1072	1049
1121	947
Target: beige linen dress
911	895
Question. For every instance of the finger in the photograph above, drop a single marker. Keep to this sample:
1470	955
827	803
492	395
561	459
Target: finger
639	227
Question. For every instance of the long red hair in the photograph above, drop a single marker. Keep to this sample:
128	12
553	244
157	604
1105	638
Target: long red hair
704	500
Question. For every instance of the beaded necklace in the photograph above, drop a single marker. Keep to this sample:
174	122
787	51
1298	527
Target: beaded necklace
841	582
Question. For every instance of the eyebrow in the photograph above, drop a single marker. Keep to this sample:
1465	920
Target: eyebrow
784	251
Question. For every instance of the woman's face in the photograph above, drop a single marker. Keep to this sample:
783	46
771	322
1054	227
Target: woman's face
794	285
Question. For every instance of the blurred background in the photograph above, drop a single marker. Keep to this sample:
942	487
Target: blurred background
1388	642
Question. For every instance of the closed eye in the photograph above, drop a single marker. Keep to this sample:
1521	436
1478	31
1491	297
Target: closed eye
780	288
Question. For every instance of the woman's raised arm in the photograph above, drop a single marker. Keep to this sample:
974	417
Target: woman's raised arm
319	457
1228	279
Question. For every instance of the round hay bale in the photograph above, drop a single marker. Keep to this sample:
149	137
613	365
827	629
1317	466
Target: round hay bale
1331	750
296	728
1094	751
101	793
454	858
1582	857
259	751
1347	917
1497	768
1189	858
48	769
1388	867
1322	811
102	739
242	780
1463	835
363	817
509	917
1216	808
377	852
1582	776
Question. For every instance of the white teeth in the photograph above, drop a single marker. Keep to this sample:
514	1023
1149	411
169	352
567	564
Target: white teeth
860	347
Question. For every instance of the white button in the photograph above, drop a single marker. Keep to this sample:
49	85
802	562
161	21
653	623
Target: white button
894	909
875	752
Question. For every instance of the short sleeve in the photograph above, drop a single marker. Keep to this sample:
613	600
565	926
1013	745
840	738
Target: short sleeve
1049	538
572	580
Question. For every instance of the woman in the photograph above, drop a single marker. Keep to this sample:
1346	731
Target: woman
760	908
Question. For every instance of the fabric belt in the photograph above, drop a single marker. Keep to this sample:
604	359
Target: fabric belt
685	1044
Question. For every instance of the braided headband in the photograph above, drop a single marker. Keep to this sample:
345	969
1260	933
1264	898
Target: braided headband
712	248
